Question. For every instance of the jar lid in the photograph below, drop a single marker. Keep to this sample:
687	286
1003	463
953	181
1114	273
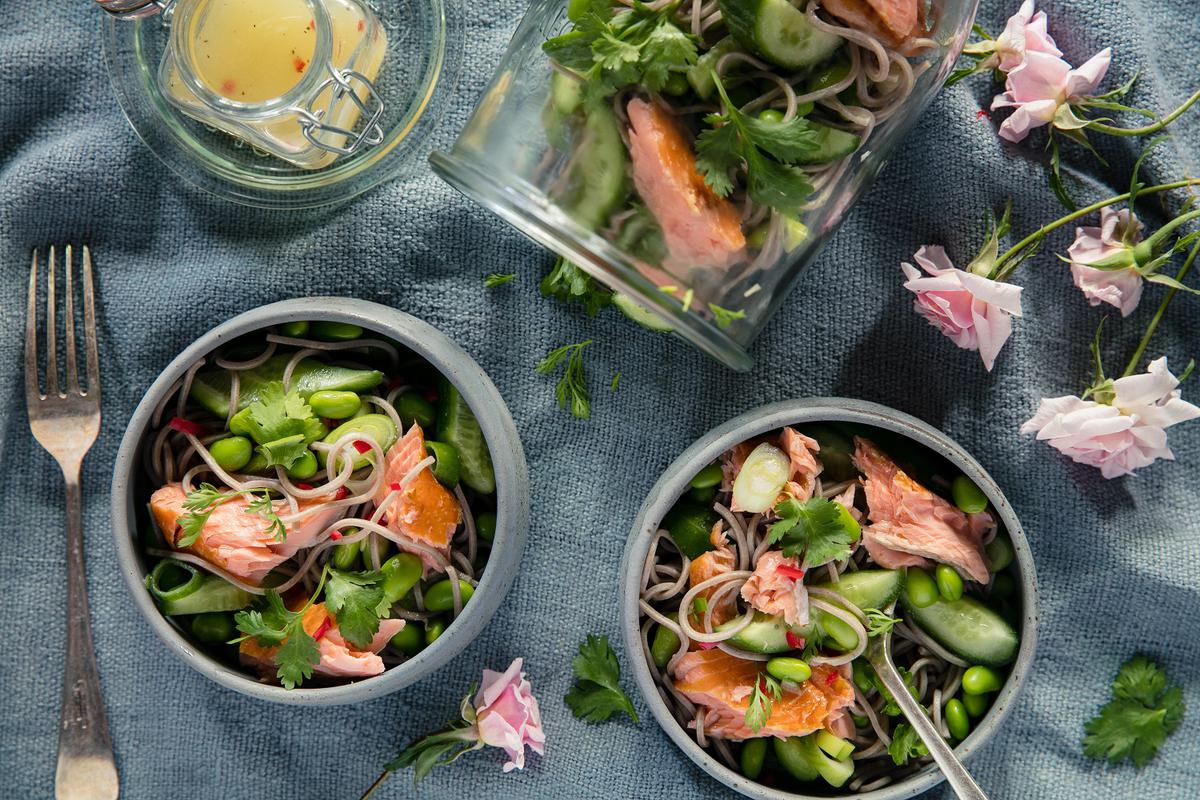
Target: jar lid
131	9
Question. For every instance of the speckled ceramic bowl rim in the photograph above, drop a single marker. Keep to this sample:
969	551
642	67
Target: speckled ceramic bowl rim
674	482
512	493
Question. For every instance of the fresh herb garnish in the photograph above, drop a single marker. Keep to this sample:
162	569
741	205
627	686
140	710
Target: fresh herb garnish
1143	712
572	391
879	623
763	696
498	279
891	708
906	744
569	284
356	600
612	49
283	424
201	502
272	624
615	381
816	528
597	693
724	317
767	149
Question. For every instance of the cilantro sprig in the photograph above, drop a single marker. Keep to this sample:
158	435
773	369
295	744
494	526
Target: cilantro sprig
282	423
200	503
817	529
597	694
571	391
879	623
767	150
763	696
906	744
273	624
357	602
569	284
1144	710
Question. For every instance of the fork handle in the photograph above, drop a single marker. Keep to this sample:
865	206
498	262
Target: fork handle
86	769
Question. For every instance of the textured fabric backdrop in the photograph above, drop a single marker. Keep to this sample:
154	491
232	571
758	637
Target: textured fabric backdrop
1116	559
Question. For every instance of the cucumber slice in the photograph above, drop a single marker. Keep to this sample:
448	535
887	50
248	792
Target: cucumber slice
690	526
210	388
565	92
700	74
377	427
640	314
967	628
457	426
868	588
766	634
832	144
597	183
794	757
779	32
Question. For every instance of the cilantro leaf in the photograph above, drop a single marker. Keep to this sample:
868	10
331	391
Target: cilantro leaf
201	503
356	600
1144	711
570	284
572	392
264	506
282	423
763	696
597	693
723	316
498	279
718	152
295	660
272	624
816	528
906	744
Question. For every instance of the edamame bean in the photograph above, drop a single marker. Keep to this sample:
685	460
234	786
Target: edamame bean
804	109
862	677
433	629
305	467
445	464
409	640
922	591
980	680
957	720
754	752
967	496
771	115
294	329
1000	552
664	645
1003	586
710	476
440	596
413	408
335	405
213	627
949	582
485	525
677	85
232	453
789	669
976	704
345	556
400	575
335	331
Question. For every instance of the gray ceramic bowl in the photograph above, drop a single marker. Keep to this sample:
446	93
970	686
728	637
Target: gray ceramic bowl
130	494
674	483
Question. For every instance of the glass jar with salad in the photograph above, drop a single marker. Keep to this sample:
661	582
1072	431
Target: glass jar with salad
694	155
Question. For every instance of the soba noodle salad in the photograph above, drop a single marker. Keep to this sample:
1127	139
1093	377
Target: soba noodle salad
698	135
322	507
767	580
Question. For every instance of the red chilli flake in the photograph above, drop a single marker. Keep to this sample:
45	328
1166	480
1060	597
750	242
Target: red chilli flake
795	642
362	25
300	64
335	535
394	486
831	677
228	87
362	447
304	487
186	426
342	493
788	571
983	114
326	625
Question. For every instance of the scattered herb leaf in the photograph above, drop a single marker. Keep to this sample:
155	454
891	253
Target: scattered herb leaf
356	600
723	316
816	529
1144	710
879	623
906	744
201	502
498	279
762	698
572	391
570	284
597	693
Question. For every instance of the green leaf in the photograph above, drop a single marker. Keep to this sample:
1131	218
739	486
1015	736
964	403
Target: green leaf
570	284
571	392
1136	722
787	141
356	601
190	526
718	152
276	419
597	694
906	744
763	696
1056	180
263	506
782	187
296	658
498	279
879	623
815	529
723	316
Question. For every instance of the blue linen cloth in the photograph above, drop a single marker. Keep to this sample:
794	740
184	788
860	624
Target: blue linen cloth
1116	559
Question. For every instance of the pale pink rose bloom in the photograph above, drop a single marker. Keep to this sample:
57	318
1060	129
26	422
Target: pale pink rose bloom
1121	437
508	715
1041	84
1025	32
973	311
1120	288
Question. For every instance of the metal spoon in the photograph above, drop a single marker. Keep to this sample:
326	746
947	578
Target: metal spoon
879	653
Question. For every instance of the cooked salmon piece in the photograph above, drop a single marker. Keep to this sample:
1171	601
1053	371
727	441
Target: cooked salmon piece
723	683
909	523
893	21
709	565
801	452
425	511
339	659
778	592
241	542
700	228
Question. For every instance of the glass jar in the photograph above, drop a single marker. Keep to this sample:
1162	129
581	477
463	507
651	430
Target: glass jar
710	280
283	103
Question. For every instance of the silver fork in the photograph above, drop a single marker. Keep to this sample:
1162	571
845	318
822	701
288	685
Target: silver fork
66	423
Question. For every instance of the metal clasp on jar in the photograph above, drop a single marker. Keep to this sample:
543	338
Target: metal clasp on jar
341	84
134	9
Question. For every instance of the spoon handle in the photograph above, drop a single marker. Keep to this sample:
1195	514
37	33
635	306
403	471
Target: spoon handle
956	774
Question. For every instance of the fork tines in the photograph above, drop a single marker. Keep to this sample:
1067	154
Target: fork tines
32	390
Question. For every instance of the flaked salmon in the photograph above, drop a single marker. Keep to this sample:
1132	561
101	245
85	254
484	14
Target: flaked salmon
801	452
699	228
339	659
241	542
723	683
909	523
709	565
893	21
425	511
776	591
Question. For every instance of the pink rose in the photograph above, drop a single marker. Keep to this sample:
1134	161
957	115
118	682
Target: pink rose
973	311
1121	436
507	714
1041	85
1118	231
1025	32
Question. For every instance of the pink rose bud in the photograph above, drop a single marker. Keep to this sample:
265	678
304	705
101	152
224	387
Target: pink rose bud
1119	231
507	714
1041	85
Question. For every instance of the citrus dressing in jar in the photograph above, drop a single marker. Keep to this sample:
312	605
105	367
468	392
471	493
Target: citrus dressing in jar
291	77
